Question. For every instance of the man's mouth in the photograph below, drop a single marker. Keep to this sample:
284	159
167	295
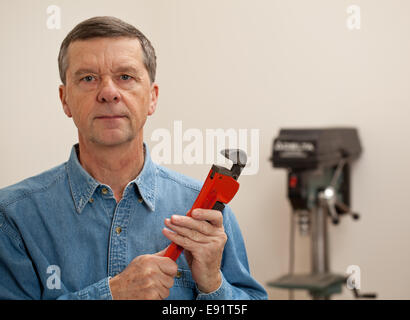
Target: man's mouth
109	117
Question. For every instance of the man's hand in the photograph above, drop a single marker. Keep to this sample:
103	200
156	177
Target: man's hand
148	276
203	238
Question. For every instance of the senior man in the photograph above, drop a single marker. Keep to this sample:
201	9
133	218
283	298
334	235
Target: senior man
97	226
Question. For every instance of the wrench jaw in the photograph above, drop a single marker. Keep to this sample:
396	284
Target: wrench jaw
239	159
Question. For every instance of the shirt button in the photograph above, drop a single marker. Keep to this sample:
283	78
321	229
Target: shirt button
104	190
179	274
118	230
91	200
140	200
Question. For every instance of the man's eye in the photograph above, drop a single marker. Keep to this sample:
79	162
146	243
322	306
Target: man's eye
125	77
88	78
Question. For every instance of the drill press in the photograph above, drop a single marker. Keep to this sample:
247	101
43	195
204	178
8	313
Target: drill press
318	163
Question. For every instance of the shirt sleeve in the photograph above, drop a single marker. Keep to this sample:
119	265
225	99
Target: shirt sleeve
97	291
18	277
237	282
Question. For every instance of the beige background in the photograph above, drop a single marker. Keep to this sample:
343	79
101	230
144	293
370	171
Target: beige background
243	65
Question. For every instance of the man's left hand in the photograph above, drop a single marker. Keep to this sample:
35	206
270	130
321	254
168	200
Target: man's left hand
203	238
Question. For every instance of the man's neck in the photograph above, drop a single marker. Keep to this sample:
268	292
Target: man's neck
113	166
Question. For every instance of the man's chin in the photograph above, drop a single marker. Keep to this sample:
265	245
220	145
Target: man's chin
112	141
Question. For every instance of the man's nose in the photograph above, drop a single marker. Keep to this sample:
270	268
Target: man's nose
108	92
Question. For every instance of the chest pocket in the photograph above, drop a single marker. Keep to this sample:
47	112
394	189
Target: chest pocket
184	279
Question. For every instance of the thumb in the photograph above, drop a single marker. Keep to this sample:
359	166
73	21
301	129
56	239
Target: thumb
161	253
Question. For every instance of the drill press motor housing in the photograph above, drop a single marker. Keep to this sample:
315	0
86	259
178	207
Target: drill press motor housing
313	157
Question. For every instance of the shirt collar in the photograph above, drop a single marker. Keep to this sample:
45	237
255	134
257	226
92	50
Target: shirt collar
146	181
83	185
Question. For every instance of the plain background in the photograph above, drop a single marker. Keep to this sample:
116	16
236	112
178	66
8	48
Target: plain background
239	64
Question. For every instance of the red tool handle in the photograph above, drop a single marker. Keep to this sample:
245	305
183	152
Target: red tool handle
218	189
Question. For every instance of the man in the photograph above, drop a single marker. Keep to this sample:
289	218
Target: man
97	226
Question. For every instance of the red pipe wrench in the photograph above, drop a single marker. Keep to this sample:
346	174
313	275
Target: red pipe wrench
219	188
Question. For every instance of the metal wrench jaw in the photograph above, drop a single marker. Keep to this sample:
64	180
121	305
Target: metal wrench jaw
239	159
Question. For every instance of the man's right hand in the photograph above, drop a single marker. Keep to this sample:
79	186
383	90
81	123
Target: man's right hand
147	277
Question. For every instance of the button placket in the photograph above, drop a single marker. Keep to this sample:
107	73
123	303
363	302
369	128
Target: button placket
118	239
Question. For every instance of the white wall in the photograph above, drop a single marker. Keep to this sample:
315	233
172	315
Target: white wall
245	64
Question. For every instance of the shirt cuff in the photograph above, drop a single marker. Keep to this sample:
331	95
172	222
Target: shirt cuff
97	291
224	291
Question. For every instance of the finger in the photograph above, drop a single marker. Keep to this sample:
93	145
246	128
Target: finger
167	281
187	232
182	241
168	266
214	217
189	222
162	292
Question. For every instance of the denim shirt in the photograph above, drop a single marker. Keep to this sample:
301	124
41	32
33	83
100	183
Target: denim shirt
63	235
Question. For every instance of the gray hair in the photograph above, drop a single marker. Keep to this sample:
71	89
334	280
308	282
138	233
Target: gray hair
106	27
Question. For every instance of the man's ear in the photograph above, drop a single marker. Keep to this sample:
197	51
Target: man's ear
62	89
154	99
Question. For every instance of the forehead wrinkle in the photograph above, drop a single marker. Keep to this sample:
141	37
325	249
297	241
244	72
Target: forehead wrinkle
100	55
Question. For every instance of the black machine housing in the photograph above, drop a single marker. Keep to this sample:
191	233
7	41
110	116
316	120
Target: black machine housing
311	157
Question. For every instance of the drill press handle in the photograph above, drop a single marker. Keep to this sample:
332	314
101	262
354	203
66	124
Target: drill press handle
329	198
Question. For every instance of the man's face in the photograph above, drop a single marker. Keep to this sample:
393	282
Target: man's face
108	91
